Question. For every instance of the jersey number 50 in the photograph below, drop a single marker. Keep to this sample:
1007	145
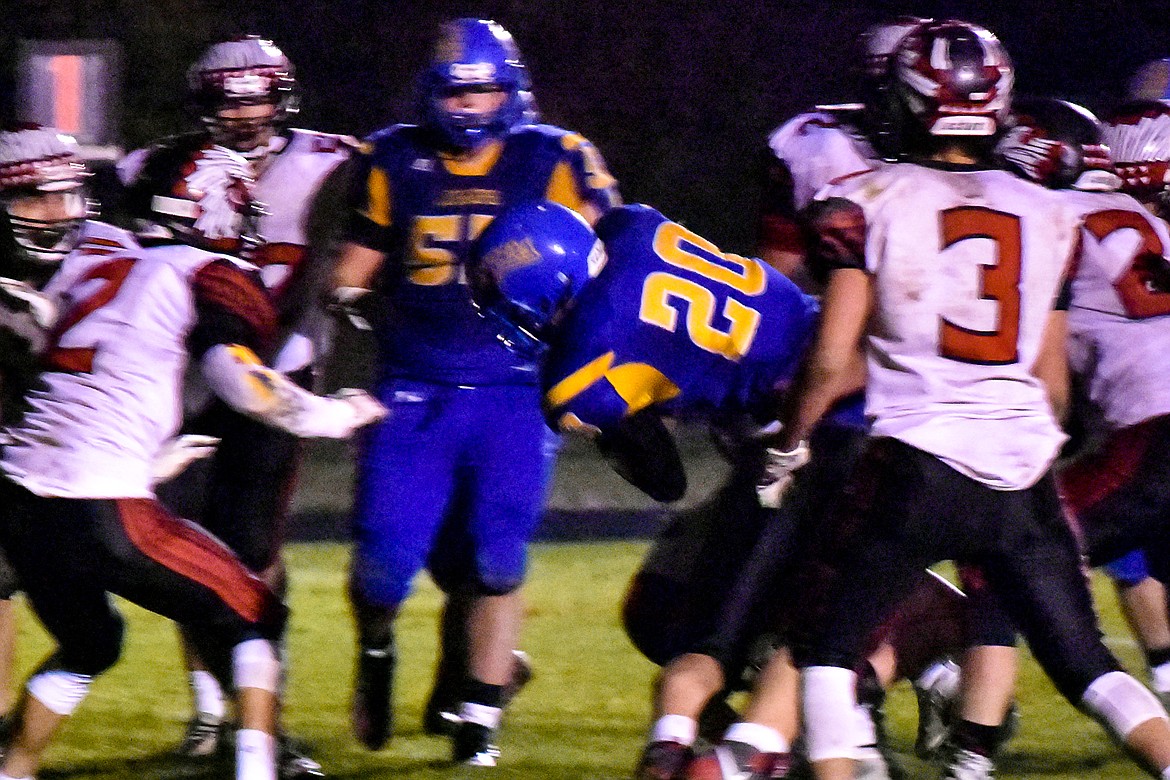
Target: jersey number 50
662	290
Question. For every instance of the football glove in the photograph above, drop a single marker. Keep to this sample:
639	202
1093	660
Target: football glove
778	468
178	453
26	312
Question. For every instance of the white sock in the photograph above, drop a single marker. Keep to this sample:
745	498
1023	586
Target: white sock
255	755
481	714
1165	774
1160	678
762	738
942	677
675	728
10	777
207	694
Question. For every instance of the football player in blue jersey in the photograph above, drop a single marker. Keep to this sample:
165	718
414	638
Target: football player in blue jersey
671	325
456	479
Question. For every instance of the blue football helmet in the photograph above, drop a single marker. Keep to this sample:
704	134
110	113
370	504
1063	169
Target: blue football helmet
528	266
474	53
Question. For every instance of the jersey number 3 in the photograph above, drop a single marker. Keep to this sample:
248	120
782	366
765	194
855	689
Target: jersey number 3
681	248
999	281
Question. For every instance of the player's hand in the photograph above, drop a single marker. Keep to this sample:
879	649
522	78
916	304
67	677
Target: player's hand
17	297
179	453
366	408
778	469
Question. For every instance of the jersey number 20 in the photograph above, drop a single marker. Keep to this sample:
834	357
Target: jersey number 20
662	291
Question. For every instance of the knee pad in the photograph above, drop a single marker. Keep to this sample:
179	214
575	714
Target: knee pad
255	665
1121	703
832	726
60	691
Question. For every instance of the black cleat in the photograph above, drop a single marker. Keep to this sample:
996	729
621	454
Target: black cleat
373	708
293	763
472	745
203	737
664	760
441	715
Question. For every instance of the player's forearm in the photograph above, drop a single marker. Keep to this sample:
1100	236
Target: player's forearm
357	266
826	379
241	380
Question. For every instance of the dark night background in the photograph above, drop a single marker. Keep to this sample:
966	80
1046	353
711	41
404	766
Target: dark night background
677	94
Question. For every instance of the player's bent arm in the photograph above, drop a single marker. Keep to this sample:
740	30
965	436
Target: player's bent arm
835	366
1051	366
240	379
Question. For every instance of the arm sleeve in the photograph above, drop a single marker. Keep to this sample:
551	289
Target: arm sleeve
231	307
836	230
643	452
370	203
582	177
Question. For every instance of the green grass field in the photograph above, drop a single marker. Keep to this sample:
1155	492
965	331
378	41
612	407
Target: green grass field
583	716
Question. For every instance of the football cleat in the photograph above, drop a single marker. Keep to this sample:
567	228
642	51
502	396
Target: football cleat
441	714
292	763
936	713
664	760
738	761
968	765
472	745
203	736
373	708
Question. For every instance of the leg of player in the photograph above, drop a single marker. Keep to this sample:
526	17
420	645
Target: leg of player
493	629
1144	605
441	714
682	690
8	627
205	727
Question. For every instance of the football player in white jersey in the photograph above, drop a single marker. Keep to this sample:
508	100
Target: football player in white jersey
41	219
1119	319
945	289
77	470
244	91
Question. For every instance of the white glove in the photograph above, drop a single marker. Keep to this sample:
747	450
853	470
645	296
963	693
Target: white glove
335	416
778	468
179	453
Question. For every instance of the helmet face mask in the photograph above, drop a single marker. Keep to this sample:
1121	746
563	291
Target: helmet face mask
242	90
473	58
43	197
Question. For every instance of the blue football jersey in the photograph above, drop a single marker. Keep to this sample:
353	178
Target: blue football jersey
424	210
675	323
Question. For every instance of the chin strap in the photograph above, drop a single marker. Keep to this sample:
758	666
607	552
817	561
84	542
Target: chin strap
237	376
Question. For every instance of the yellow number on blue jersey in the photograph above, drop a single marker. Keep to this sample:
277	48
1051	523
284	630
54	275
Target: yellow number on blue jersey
660	289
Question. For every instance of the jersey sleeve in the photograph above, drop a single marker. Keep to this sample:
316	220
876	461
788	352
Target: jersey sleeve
837	229
370	202
231	307
581	177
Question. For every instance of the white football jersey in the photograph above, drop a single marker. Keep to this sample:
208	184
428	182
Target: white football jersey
967	266
110	395
1119	325
818	148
